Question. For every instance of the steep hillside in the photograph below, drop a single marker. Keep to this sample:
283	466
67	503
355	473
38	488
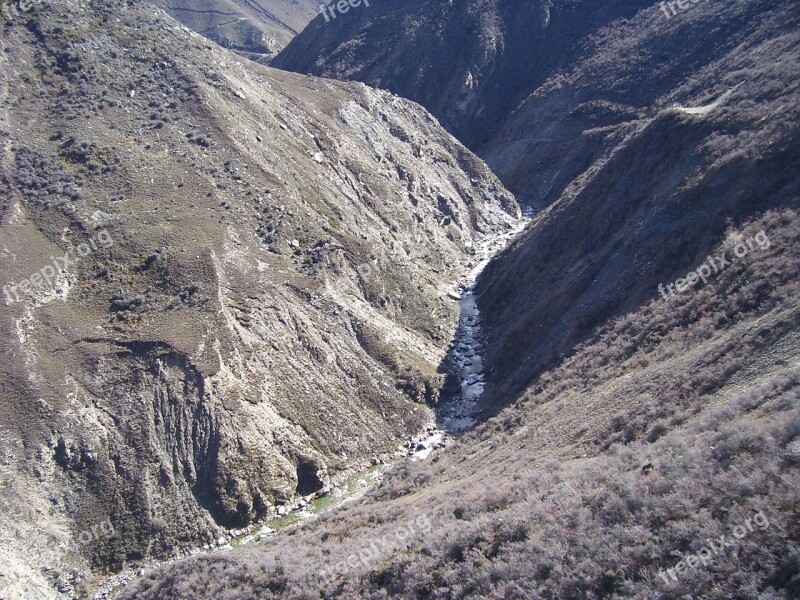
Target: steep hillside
224	286
227	289
661	191
661	461
256	29
542	89
470	62
606	107
740	50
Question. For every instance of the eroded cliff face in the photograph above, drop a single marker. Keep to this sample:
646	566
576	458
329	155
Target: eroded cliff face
225	284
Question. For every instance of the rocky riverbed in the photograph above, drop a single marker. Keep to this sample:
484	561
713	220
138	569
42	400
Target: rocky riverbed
458	413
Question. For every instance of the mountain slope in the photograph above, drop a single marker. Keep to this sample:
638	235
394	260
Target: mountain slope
224	285
257	30
579	115
661	189
670	441
585	102
495	72
642	350
470	62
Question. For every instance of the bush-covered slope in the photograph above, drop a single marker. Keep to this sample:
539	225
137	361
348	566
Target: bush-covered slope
651	206
674	436
630	72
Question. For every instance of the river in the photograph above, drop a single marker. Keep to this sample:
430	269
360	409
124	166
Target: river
455	416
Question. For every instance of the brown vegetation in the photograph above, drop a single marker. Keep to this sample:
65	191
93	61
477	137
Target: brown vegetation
673	427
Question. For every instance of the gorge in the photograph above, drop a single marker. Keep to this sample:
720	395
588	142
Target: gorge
308	344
